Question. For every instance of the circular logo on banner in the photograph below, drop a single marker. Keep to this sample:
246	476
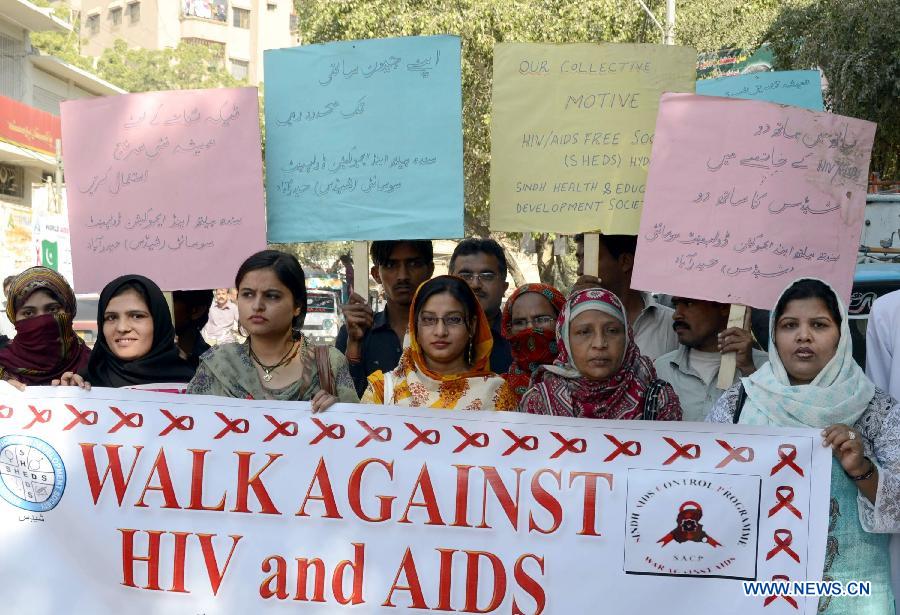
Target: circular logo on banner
32	474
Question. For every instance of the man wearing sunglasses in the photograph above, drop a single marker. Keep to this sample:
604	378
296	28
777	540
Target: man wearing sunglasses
482	263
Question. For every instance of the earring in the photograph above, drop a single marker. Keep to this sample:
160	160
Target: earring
471	352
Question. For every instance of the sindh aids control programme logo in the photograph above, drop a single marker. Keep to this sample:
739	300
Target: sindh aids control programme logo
32	474
692	524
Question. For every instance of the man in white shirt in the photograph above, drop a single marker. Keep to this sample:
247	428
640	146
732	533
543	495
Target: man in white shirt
650	321
882	341
693	369
223	320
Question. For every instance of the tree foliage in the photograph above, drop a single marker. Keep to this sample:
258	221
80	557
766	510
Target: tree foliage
856	43
721	24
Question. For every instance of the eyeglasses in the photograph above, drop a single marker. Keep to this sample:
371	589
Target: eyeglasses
449	321
538	322
484	276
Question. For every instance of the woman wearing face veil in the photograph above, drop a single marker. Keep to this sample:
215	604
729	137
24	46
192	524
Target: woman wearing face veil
811	380
42	305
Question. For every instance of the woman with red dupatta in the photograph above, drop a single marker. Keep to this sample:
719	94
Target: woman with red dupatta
42	306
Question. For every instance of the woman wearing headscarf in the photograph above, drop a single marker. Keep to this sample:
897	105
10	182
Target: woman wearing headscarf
446	363
529	324
136	341
42	305
812	380
599	373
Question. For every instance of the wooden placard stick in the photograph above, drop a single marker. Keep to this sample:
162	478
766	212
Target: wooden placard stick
738	316
361	269
592	254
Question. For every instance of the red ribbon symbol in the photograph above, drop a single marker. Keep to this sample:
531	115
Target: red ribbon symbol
40	416
378	434
335	431
288	428
742	454
526	443
631	448
476	439
785	495
126	419
787	453
240	426
790	599
681	451
6	412
783	540
182	423
428	436
575	445
88	417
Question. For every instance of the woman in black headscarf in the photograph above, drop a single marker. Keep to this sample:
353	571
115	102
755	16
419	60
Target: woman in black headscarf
136	345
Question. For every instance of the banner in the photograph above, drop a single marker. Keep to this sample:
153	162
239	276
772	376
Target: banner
571	132
141	502
744	197
164	184
364	140
734	61
801	88
28	127
50	230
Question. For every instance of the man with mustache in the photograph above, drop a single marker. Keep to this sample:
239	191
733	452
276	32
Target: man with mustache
374	341
482	263
703	336
650	321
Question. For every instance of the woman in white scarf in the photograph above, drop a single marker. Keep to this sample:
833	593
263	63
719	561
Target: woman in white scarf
812	380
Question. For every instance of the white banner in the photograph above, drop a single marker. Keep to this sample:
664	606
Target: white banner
120	501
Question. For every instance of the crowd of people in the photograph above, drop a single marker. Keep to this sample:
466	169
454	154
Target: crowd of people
601	351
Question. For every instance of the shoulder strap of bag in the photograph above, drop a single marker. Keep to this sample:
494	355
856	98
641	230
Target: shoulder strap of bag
742	397
323	366
651	400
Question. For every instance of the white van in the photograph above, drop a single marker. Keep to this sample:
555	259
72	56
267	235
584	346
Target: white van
323	316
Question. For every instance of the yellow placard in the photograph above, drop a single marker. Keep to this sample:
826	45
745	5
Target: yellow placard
572	129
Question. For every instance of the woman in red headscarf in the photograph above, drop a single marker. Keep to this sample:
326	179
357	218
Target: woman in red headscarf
529	324
42	306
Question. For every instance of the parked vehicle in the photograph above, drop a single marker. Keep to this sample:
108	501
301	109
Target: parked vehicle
323	316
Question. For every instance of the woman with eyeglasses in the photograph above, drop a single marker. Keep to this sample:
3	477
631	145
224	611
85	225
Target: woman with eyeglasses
445	364
529	324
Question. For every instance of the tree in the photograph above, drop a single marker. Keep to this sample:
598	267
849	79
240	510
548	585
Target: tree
63	45
855	43
722	24
188	66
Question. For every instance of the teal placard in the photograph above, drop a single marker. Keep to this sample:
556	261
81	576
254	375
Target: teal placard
364	140
800	88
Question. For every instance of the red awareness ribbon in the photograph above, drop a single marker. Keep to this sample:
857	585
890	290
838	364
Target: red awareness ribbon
526	443
288	428
783	539
335	431
378	434
40	416
126	419
785	497
239	426
681	450
787	453
741	454
476	439
790	599
630	448
181	423
88	417
575	445
6	412
426	436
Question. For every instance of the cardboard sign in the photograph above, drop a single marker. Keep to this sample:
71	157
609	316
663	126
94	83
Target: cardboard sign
744	197
801	88
364	140
164	184
571	132
192	504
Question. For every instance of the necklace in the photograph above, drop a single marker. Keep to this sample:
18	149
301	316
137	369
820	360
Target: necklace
268	369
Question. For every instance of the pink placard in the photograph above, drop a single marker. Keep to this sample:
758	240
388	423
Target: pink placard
743	197
164	184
